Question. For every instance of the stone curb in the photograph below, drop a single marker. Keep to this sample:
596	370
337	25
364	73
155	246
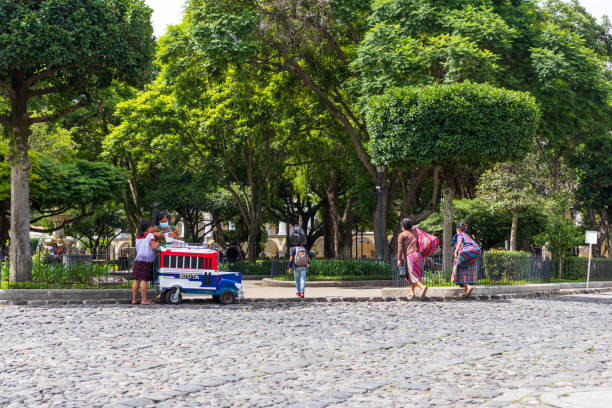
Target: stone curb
331	299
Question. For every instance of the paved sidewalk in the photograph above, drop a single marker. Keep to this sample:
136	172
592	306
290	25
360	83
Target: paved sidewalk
254	289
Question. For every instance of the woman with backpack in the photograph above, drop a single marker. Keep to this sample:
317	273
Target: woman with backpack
408	254
467	253
299	261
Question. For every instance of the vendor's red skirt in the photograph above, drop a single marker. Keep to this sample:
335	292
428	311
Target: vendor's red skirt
143	271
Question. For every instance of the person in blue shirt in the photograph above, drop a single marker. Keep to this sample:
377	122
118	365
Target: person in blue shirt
299	261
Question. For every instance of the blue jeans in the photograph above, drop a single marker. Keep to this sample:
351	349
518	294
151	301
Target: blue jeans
300	278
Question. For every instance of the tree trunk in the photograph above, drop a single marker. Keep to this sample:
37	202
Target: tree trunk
20	252
328	232
218	234
515	214
253	242
561	256
447	231
342	224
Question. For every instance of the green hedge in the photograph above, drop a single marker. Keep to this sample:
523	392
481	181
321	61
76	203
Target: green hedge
350	267
259	268
506	265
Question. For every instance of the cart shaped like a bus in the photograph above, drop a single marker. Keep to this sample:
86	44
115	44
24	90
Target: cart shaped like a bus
193	269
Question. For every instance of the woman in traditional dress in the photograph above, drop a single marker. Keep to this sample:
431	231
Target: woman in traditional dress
164	226
408	253
467	253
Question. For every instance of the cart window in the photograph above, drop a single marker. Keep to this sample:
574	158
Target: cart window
173	261
201	263
194	262
179	263
207	263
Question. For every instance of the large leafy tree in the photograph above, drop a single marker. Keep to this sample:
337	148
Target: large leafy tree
54	58
511	187
451	126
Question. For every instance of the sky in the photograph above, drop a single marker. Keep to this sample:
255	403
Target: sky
167	12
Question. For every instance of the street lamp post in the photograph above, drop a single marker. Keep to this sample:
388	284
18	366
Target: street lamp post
288	194
380	170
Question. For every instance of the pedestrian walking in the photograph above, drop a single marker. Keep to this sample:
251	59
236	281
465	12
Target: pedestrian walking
467	253
409	256
143	265
299	261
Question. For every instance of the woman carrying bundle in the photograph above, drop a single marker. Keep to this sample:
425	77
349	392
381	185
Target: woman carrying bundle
408	252
467	253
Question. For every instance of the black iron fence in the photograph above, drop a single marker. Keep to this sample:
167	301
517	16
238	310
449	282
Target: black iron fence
113	270
336	269
497	268
74	269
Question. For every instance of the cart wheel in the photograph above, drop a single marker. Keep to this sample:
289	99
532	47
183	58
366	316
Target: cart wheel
162	297
227	297
216	299
173	296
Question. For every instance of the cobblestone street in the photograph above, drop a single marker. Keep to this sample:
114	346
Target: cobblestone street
518	353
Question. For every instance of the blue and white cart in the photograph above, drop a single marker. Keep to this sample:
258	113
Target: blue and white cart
193	269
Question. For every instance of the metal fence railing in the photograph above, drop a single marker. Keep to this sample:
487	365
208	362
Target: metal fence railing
496	268
336	269
113	270
73	269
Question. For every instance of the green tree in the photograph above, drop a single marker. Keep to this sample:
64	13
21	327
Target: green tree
560	236
511	187
55	56
451	126
99	229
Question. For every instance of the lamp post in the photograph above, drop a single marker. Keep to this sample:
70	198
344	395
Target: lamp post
380	171
288	194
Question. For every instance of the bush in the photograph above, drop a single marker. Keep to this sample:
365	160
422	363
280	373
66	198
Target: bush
34	244
506	265
258	268
349	267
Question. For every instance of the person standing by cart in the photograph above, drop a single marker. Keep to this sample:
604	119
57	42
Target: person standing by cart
299	261
143	264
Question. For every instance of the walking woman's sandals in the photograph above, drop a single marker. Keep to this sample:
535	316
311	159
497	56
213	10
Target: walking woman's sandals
423	292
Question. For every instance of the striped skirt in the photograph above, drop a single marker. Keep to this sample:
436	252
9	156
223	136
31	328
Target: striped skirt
143	271
465	273
415	266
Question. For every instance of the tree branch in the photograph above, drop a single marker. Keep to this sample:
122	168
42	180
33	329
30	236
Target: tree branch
42	119
47	73
61	226
325	97
42	91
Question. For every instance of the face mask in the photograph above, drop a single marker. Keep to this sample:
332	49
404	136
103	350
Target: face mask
163	224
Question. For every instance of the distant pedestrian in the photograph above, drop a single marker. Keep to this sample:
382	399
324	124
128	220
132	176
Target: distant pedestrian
299	261
143	265
409	255
467	253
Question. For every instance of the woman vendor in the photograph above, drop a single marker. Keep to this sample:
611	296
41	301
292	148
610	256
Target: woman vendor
163	226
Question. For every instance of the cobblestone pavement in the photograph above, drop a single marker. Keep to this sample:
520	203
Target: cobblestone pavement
518	353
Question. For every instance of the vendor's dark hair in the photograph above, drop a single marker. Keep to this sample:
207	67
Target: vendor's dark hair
406	224
163	214
462	226
143	227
